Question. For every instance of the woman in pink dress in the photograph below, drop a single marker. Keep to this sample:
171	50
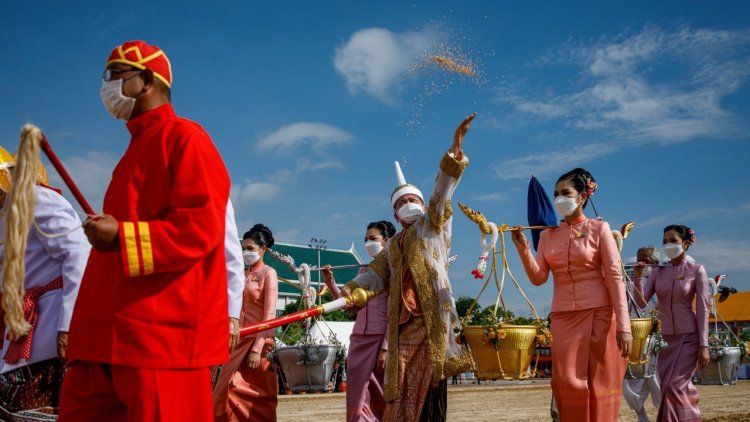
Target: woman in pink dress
365	363
677	286
589	320
247	387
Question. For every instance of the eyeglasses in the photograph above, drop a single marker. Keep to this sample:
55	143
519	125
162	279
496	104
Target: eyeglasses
109	74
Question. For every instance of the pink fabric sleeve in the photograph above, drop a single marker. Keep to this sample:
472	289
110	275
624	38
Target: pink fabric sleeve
646	292
335	291
270	297
611	266
701	293
384	343
536	269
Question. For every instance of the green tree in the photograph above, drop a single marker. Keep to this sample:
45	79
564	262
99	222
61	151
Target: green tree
463	304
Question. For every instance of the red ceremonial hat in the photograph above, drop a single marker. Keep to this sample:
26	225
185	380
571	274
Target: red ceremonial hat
141	55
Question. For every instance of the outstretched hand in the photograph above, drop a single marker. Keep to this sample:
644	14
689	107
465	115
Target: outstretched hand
519	239
327	275
638	269
458	135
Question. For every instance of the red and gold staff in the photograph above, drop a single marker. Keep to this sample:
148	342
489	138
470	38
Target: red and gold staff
357	299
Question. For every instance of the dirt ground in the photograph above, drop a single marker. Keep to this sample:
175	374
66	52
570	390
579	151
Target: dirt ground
517	403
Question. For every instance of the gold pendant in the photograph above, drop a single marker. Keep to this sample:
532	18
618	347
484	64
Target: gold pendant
680	276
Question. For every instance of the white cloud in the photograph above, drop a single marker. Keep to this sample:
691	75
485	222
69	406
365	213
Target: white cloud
695	214
252	192
307	164
622	92
91	173
374	60
492	197
291	136
723	256
551	162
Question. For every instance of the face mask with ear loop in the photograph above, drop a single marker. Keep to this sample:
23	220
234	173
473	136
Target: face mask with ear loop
565	205
373	248
673	250
250	257
117	104
410	212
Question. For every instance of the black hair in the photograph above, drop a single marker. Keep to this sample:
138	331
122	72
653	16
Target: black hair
260	234
580	179
685	232
386	228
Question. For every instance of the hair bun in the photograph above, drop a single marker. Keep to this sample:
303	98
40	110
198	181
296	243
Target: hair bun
265	233
390	229
588	180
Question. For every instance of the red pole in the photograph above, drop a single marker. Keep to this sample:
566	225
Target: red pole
44	144
358	298
282	320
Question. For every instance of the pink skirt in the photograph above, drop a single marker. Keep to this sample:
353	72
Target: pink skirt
676	366
364	394
243	394
587	365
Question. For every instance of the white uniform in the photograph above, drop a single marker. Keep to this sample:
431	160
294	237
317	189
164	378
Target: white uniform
235	264
48	258
635	391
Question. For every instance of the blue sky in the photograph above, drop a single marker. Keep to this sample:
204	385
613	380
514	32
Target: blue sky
310	104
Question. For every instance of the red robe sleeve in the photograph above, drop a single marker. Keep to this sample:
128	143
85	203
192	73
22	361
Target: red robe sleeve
193	227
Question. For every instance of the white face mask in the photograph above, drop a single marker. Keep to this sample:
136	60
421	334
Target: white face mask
647	272
250	257
410	212
373	248
673	250
565	205
118	105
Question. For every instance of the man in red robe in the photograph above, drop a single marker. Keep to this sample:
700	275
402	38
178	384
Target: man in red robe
151	315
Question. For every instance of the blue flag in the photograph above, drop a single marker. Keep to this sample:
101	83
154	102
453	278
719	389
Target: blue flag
539	209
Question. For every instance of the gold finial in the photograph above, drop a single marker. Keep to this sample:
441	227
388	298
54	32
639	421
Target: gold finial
476	217
361	296
626	228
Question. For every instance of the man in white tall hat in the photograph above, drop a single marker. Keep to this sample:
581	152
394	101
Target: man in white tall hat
422	349
31	368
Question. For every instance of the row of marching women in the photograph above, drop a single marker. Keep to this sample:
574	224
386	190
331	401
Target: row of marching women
123	316
590	322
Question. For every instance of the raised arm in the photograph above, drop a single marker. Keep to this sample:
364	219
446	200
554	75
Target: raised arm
537	269
374	278
330	281
452	166
643	294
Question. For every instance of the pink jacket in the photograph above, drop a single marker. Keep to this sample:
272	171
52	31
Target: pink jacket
372	319
676	287
259	302
585	265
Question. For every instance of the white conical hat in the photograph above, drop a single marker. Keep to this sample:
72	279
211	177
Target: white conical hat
403	188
